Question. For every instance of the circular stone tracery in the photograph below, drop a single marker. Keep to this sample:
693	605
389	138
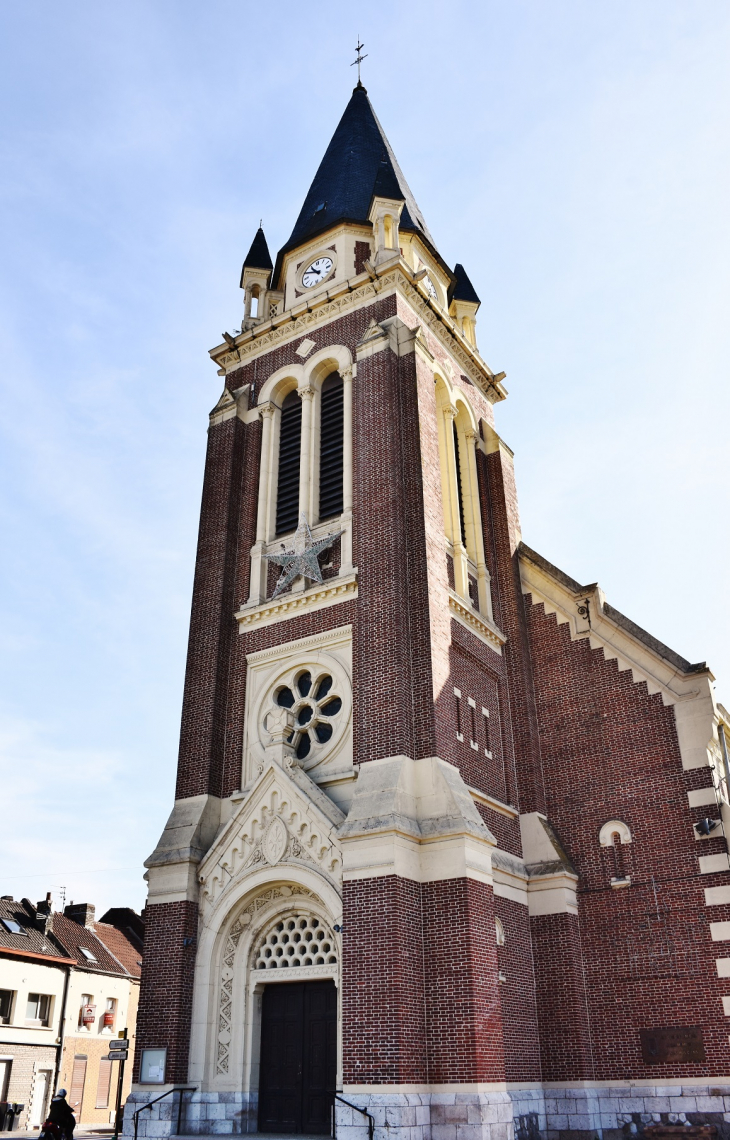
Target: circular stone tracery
297	940
314	705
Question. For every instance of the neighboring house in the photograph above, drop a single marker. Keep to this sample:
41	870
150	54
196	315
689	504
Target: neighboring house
67	985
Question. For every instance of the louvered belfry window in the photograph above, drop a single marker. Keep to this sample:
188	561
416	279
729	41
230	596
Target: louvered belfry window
330	449
459	489
290	447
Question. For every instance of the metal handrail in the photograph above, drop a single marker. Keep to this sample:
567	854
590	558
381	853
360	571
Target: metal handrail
364	1111
162	1096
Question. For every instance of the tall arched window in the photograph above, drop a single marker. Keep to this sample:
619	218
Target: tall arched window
306	458
331	447
458	439
290	449
459	483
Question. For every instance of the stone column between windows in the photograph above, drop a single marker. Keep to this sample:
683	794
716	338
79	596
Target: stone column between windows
474	525
461	577
257	581
306	395
346	541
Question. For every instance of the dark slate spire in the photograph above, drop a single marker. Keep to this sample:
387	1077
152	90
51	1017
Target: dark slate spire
463	290
258	257
358	156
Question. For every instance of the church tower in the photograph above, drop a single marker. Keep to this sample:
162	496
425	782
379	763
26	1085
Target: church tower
434	847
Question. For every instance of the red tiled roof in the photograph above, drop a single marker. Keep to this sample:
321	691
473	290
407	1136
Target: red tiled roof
75	938
122	947
32	940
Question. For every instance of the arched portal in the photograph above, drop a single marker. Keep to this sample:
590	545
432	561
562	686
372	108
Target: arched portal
275	1009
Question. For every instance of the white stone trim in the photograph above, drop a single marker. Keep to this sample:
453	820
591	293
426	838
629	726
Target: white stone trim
476	623
720	931
700	797
723	967
717	896
317	597
613	827
309	313
711	864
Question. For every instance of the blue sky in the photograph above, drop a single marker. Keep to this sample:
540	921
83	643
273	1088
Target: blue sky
574	156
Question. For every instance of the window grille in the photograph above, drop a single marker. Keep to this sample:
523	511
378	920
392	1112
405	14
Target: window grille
290	447
298	940
330	450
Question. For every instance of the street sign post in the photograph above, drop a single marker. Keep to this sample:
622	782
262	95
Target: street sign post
119	1051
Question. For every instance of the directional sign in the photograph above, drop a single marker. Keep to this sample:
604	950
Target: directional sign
116	1057
120	1043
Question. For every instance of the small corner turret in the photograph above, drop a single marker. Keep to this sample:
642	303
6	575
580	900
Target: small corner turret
463	304
385	213
255	280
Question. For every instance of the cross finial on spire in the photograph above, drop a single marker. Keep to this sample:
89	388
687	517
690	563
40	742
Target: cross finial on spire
359	59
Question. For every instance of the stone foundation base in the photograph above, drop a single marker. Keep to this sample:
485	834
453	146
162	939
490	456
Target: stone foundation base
203	1114
616	1113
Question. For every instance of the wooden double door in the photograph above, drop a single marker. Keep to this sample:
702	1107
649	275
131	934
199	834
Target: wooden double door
298	1057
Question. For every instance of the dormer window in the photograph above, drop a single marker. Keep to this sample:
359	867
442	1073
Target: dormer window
13	927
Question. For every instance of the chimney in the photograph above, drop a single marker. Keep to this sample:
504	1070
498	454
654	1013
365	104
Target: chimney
83	913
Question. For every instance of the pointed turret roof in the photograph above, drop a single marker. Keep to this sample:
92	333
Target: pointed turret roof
463	289
258	257
358	157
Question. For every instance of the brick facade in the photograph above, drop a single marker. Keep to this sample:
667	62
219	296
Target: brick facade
541	736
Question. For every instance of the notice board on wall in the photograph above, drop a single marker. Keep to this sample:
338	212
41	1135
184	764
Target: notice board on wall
672	1045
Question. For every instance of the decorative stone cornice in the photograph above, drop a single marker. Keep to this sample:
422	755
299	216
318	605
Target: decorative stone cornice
329	593
308	315
484	629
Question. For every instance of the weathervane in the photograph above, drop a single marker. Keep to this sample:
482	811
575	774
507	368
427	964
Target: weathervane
359	59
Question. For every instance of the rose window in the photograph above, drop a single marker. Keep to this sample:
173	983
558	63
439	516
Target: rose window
315	706
301	940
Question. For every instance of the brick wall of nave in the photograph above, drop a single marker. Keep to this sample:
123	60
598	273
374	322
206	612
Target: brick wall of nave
610	751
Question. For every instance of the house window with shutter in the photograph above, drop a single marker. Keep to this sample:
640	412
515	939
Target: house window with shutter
290	450
331	447
78	1080
104	1083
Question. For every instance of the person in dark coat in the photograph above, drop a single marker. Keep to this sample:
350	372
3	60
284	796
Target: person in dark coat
62	1114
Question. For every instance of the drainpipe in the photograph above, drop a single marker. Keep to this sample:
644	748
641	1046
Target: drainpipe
61	1029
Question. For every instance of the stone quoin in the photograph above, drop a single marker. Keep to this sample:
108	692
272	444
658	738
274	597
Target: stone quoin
448	836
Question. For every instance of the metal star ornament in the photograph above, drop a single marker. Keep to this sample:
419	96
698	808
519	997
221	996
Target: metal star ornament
302	559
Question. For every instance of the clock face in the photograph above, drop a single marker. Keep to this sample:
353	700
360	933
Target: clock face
316	272
430	288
